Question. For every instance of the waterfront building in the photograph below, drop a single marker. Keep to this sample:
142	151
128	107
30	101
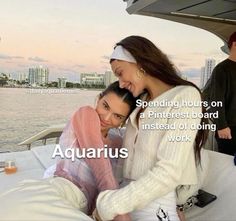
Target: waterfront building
22	77
91	79
109	78
206	71
62	82
38	76
202	77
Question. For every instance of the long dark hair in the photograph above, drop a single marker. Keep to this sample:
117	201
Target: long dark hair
123	93
157	64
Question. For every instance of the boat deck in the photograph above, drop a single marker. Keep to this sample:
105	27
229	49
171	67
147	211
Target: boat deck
221	180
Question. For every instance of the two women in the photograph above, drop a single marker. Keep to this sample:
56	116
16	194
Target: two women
157	161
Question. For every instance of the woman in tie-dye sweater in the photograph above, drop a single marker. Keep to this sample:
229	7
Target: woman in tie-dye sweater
72	192
90	128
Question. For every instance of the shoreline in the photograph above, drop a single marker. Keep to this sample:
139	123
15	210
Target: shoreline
46	88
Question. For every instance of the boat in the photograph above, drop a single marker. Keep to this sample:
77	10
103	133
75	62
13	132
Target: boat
216	16
220	178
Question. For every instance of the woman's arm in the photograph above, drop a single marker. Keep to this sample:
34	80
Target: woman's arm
86	124
87	129
172	159
219	93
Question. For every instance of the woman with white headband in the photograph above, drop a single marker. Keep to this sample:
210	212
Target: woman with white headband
160	160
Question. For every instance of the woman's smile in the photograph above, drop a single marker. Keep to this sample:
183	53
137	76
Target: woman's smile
103	123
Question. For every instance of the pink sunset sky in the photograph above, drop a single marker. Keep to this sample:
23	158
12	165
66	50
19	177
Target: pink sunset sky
75	36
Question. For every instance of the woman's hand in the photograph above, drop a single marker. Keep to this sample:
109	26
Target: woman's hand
125	217
96	216
181	215
224	133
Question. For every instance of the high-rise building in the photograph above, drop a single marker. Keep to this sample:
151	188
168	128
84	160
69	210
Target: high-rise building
202	77
38	76
207	70
22	77
61	82
209	66
109	78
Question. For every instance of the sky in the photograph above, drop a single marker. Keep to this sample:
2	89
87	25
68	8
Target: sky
75	36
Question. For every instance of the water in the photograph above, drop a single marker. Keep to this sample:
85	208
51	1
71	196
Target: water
25	112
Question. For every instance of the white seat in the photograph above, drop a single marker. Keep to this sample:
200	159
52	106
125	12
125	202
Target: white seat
31	164
221	180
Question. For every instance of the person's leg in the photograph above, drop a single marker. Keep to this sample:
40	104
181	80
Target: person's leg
46	199
162	209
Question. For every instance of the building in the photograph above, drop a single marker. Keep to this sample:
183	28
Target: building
206	71
61	82
109	78
202	77
209	66
91	79
38	76
22	77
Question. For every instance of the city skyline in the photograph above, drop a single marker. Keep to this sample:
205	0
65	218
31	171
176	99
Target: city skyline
71	37
39	77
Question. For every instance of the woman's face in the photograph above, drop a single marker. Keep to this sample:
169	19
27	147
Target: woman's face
128	77
112	111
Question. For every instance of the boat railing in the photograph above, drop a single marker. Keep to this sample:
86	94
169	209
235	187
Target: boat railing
56	131
51	132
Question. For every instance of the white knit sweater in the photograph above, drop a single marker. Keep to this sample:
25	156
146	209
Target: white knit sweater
156	164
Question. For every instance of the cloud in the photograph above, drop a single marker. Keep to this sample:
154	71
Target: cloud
181	57
37	59
79	66
66	70
23	65
106	57
8	57
171	56
2	56
182	64
104	62
105	67
17	57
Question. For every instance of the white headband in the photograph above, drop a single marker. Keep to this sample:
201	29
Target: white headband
122	54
